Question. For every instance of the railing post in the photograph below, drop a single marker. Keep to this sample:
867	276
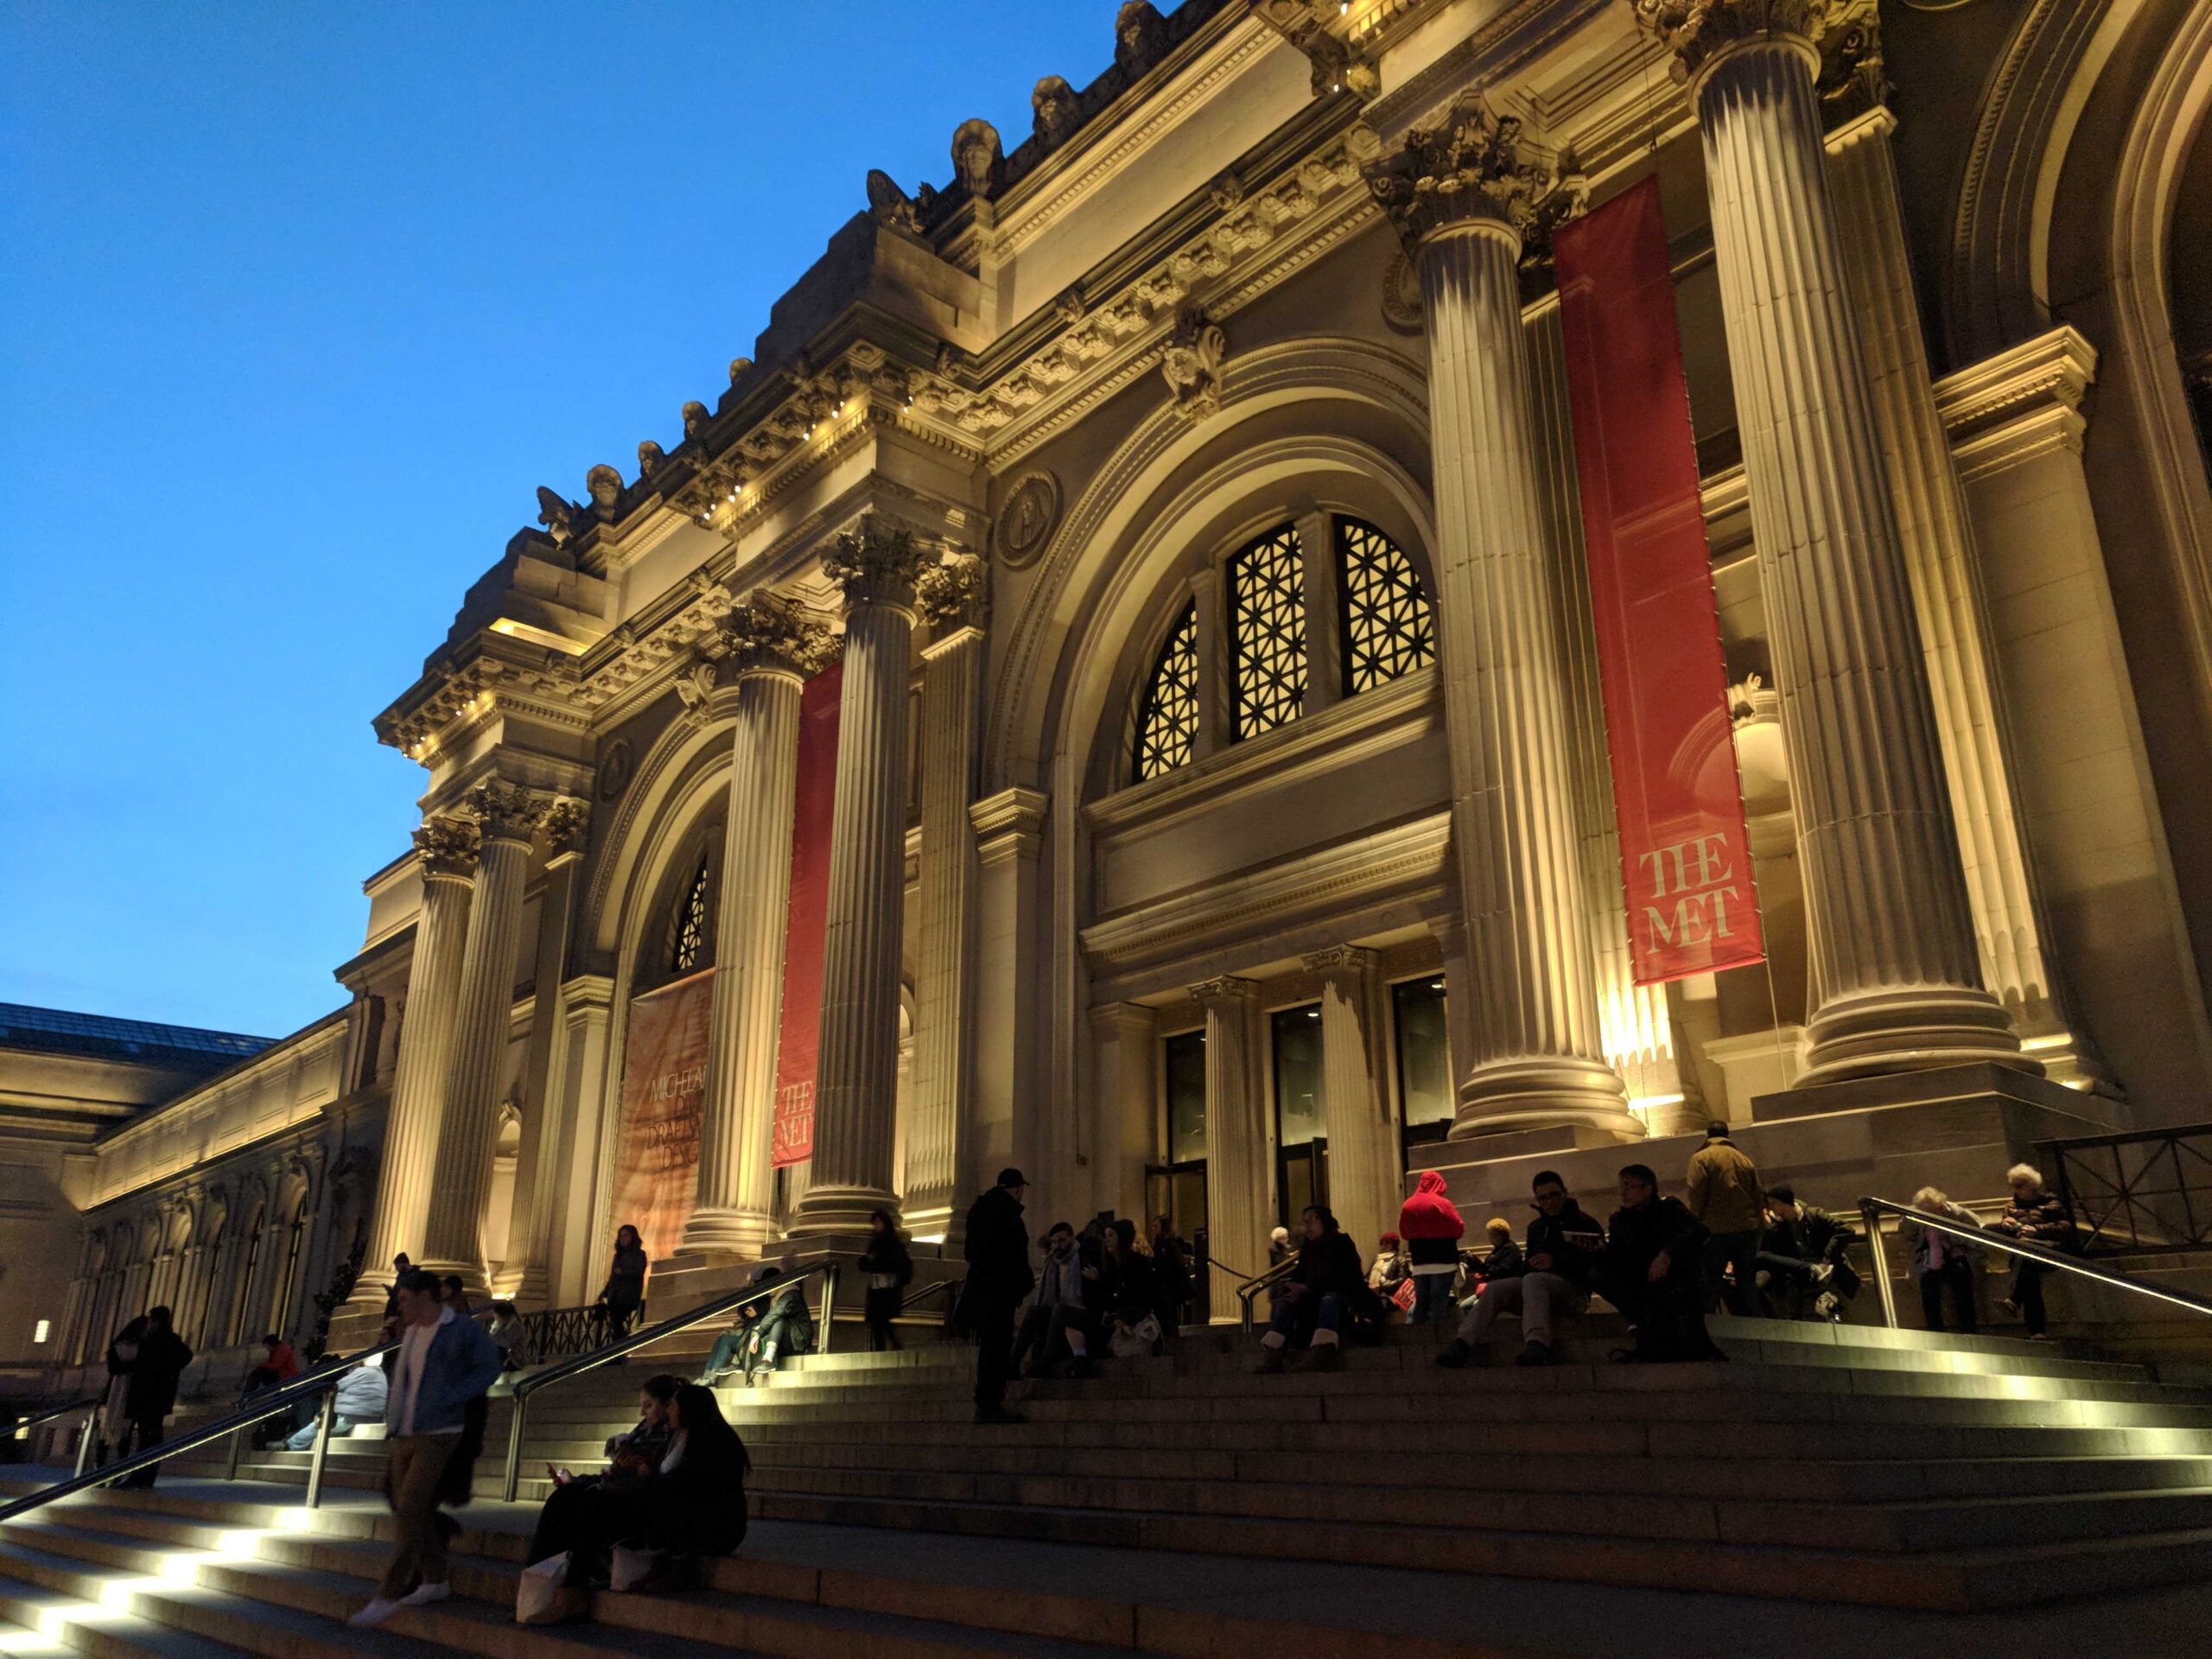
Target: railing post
231	1469
828	1307
1878	1261
84	1442
511	1482
323	1416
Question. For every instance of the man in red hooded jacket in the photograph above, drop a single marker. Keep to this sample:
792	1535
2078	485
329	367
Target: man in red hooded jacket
1432	1228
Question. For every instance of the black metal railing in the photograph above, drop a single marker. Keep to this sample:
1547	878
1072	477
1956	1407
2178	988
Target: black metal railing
554	1333
1872	1211
2138	1193
1250	1289
722	1307
948	1288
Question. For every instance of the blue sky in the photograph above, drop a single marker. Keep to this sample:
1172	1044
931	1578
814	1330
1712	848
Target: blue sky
302	301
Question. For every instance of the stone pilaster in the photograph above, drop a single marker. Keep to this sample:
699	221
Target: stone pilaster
1944	567
853	1120
452	1240
765	648
1896	976
954	600
1239	1179
446	852
1365	1188
1467	203
544	1124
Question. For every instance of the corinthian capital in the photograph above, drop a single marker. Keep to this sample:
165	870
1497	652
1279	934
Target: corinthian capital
1698	31
1342	961
1472	165
954	594
878	566
504	811
767	633
447	848
1226	993
565	823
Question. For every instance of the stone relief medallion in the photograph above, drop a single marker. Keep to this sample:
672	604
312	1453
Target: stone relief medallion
1402	295
614	769
1026	521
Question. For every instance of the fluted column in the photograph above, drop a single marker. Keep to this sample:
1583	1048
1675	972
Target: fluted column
1365	1188
856	1097
939	1136
1463	198
453	1238
446	852
767	647
1237	1176
545	1121
1896	977
1949	604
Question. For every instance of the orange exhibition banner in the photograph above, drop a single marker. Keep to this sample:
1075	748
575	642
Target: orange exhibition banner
663	1087
799	1041
1684	857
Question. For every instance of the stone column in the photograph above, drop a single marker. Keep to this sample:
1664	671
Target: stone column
767	647
853	1107
530	1229
939	1136
1896	977
1238	1180
1010	980
452	1240
445	850
1463	198
1945	570
1364	1185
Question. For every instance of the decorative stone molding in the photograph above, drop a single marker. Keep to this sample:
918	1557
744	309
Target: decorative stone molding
1190	360
1854	77
1401	296
768	633
1028	519
447	848
1226	991
1698	32
1338	66
1338	961
504	810
877	565
1473	165
954	594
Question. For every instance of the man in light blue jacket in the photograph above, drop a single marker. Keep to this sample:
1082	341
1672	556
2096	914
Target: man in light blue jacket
444	1361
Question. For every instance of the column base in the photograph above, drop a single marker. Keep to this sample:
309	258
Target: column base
1884	1033
1552	1093
730	1233
827	1211
470	1274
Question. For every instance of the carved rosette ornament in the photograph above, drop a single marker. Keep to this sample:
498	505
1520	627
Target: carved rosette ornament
954	594
565	825
1700	32
879	565
503	811
447	848
766	632
1472	166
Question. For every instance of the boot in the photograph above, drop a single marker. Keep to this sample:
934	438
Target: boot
1457	1355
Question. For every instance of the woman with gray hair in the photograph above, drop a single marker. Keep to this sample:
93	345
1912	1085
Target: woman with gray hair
2036	1215
1937	1258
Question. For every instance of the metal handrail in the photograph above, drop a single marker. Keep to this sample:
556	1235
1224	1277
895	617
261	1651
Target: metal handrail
1872	1209
933	1288
725	1305
1250	1290
269	1403
23	1425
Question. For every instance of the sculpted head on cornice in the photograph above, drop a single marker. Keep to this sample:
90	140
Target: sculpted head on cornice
1697	31
1140	37
1053	109
879	564
766	632
1191	360
447	847
1472	165
650	457
557	514
954	594
605	485
695	418
504	810
977	156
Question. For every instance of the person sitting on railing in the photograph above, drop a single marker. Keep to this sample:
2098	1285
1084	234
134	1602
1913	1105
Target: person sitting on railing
2036	1215
888	1268
1938	1260
1804	1267
363	1394
585	1513
1563	1246
1653	1269
506	1333
1323	1295
1060	1316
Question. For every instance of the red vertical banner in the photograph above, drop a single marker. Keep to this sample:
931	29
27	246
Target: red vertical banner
1686	860
799	1036
664	1088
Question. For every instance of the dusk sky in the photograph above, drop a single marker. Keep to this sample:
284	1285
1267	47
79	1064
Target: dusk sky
302	302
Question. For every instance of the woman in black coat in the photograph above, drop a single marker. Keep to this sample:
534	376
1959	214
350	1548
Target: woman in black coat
696	1505
626	1282
888	1268
1326	1294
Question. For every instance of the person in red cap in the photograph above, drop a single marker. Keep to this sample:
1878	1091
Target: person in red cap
1432	1228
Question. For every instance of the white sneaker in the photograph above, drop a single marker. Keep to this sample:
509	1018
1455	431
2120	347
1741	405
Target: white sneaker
379	1609
423	1594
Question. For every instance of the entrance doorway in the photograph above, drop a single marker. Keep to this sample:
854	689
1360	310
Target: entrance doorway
1301	1138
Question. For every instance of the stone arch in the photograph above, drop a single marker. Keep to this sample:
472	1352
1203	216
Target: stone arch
665	788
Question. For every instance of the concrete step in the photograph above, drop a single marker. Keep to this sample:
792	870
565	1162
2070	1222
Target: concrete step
38	1620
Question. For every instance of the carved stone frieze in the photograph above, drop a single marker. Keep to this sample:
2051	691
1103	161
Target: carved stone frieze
1341	960
955	594
879	564
1474	164
1227	990
1338	66
1028	519
448	848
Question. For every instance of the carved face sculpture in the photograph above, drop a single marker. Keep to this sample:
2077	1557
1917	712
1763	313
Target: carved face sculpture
605	485
974	153
1139	33
1053	106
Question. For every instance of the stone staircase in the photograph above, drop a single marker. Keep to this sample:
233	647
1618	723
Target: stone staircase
1836	1465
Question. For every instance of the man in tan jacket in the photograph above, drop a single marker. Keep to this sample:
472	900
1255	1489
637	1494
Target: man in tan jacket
1724	1194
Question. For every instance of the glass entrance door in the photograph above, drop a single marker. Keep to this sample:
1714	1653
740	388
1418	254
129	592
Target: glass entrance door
1301	1141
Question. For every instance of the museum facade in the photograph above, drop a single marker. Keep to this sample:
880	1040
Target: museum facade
1113	685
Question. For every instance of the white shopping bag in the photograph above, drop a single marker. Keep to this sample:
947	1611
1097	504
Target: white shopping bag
541	1596
633	1564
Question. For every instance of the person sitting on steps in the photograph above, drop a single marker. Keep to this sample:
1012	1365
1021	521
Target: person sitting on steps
1803	1264
1563	1246
1127	1322
1653	1269
2034	1215
1059	1314
363	1392
1503	1259
733	1345
586	1511
1323	1294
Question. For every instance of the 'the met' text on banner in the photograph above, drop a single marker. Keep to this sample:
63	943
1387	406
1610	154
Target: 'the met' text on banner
663	1086
1684	858
799	1041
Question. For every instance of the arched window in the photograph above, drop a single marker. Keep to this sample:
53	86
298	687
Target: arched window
688	937
1388	626
241	1311
1267	633
1168	717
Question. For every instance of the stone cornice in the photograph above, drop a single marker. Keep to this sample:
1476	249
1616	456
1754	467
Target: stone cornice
2019	404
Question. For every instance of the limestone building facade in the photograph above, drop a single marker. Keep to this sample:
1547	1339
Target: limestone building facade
1185	493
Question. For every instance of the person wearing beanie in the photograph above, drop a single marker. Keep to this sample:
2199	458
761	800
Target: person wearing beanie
1433	1229
1724	1196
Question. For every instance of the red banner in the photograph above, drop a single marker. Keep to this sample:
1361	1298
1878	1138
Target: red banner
1684	858
663	1085
799	1041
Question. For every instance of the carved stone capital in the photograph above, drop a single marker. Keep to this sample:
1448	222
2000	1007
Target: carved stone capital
765	633
1228	992
1342	962
504	810
566	823
1474	166
447	848
954	594
1700	32
879	565
1854	77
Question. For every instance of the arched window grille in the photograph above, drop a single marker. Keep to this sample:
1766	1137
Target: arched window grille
1168	717
1267	633
688	937
280	1313
1388	626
